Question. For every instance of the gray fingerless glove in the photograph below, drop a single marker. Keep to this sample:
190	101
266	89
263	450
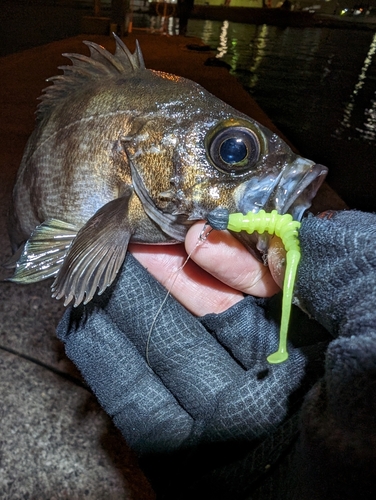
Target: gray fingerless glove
209	383
336	280
208	379
337	286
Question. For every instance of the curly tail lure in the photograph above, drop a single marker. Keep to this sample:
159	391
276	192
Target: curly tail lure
285	228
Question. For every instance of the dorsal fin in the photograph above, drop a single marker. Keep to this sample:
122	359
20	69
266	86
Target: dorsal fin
83	70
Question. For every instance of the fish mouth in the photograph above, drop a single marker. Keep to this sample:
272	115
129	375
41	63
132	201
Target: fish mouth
298	186
290	191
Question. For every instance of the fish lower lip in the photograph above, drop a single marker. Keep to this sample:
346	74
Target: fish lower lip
300	192
291	192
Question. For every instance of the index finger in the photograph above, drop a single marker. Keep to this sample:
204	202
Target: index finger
198	291
225	258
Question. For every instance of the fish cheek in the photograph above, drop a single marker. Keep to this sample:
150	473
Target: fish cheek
219	194
152	155
156	170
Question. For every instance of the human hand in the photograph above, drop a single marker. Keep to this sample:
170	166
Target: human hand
199	368
208	381
221	353
220	271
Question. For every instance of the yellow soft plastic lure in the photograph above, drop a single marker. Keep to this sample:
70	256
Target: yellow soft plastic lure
285	228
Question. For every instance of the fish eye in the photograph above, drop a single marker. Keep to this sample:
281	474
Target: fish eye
233	148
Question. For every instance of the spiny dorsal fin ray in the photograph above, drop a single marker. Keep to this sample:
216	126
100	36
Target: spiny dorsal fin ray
122	53
84	70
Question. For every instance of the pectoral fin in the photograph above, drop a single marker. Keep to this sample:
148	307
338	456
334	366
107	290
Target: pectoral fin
11	263
44	252
96	254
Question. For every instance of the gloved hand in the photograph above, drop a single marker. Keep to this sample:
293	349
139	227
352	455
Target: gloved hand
209	396
337	286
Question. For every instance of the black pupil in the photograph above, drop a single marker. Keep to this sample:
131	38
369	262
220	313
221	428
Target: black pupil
233	150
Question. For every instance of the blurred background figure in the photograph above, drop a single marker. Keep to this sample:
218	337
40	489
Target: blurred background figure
120	16
184	9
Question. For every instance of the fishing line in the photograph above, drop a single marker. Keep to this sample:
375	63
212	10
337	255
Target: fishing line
201	238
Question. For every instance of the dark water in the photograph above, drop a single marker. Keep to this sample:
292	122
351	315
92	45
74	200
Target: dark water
318	86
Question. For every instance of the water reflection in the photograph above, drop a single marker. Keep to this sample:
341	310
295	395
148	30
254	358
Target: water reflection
260	50
318	86
299	64
370	123
366	132
165	25
223	40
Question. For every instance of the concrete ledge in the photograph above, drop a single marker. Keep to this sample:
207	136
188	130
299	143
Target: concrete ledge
94	25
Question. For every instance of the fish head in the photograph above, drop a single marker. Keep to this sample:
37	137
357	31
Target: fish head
206	155
246	167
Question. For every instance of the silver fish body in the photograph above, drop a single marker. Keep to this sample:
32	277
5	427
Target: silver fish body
121	153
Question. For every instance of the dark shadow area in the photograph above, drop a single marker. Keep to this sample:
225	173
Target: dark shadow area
25	24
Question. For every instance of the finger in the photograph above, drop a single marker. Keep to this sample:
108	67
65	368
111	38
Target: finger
184	355
195	289
277	260
144	410
225	258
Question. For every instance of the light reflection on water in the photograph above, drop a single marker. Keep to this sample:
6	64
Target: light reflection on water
368	130
299	58
318	86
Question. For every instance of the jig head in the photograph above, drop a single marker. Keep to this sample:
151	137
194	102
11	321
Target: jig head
285	228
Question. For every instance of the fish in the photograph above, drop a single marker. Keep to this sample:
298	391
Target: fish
121	153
